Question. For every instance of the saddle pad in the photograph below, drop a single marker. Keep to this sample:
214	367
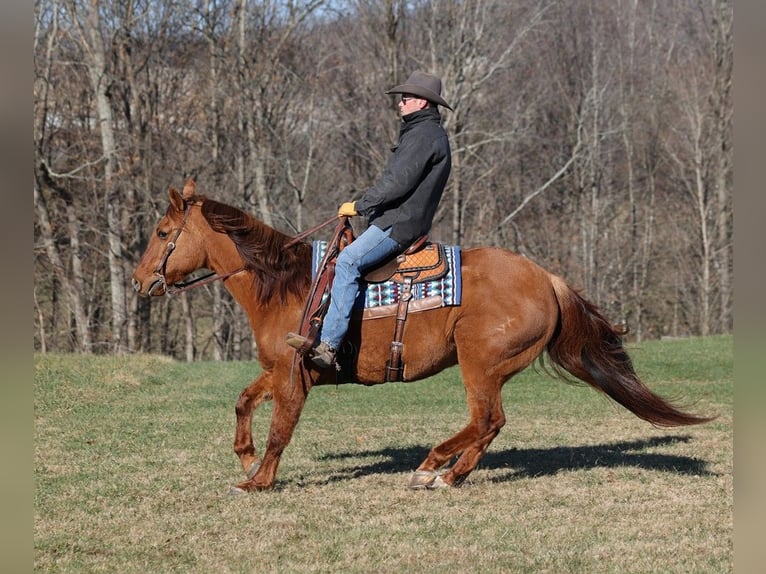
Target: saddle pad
448	288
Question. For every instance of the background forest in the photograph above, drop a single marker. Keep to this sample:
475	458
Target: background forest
594	137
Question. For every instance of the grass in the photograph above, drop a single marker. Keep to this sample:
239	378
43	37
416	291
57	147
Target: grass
133	463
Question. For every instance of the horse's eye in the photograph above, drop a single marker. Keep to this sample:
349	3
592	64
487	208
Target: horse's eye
162	234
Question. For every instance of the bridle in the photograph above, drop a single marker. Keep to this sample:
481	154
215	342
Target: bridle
160	269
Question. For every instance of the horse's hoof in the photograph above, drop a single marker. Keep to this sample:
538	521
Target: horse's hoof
237	491
423	479
437	484
253	469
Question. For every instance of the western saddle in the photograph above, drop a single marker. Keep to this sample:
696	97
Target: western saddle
421	261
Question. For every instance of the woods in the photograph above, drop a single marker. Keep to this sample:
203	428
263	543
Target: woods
593	137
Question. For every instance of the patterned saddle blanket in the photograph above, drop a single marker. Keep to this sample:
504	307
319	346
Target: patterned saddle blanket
380	299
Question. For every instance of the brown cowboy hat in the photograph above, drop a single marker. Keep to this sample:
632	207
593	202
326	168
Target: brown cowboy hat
423	85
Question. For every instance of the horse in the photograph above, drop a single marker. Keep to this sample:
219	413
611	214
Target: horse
512	312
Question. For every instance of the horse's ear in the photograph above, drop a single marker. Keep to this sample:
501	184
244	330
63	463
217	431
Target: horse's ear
190	189
175	199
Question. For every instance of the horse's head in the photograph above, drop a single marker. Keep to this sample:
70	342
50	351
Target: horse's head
175	249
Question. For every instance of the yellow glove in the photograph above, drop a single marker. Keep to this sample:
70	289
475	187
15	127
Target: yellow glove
347	209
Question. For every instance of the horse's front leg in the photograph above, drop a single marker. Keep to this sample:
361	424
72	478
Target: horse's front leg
287	410
250	398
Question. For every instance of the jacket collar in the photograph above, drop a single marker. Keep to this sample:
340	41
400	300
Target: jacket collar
428	114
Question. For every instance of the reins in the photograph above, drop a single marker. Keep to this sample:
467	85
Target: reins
200	281
301	236
213	276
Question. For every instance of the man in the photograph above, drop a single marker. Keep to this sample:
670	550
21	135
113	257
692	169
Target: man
400	206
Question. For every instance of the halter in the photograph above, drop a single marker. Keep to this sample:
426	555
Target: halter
160	270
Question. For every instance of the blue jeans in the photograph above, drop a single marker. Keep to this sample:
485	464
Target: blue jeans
370	248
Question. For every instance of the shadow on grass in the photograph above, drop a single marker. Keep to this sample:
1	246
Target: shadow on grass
532	462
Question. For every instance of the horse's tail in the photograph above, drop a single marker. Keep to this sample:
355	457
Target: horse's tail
589	347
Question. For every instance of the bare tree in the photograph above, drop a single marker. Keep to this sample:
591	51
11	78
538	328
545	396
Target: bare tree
473	46
594	137
700	148
86	18
71	277
721	103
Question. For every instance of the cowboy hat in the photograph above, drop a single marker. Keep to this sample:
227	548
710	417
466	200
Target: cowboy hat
423	85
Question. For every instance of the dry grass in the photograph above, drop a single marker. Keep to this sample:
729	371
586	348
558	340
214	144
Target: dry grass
133	463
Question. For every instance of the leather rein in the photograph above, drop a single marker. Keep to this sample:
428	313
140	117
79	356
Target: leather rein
301	236
211	277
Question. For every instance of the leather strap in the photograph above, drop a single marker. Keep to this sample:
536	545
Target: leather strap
394	367
319	295
301	236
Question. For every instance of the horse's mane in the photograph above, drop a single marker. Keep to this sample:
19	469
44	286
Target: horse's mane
279	271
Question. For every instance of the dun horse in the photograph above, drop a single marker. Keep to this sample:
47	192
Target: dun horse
511	312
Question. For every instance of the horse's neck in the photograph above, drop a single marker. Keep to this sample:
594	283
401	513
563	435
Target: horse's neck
223	258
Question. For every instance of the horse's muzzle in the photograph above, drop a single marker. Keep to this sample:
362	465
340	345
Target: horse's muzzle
156	288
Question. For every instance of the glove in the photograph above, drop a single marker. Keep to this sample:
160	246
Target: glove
347	209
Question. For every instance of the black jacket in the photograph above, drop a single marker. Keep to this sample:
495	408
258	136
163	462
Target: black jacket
407	194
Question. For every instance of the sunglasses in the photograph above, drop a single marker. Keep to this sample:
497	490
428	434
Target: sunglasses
406	99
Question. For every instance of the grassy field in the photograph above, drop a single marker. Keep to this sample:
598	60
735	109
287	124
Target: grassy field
133	464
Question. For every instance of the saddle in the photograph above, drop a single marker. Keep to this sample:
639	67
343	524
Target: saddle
422	261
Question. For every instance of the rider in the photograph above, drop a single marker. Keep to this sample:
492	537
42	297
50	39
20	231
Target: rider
400	207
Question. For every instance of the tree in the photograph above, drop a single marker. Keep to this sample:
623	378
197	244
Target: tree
47	190
700	147
86	18
593	137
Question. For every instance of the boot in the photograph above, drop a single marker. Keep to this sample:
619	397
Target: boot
322	355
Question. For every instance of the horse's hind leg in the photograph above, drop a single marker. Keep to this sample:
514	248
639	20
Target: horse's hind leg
487	418
473	453
485	364
483	377
250	398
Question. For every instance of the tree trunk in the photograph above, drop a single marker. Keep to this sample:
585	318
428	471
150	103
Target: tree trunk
73	287
96	58
218	318
722	104
188	321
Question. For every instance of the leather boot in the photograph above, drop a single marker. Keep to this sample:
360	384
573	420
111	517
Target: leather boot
322	355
